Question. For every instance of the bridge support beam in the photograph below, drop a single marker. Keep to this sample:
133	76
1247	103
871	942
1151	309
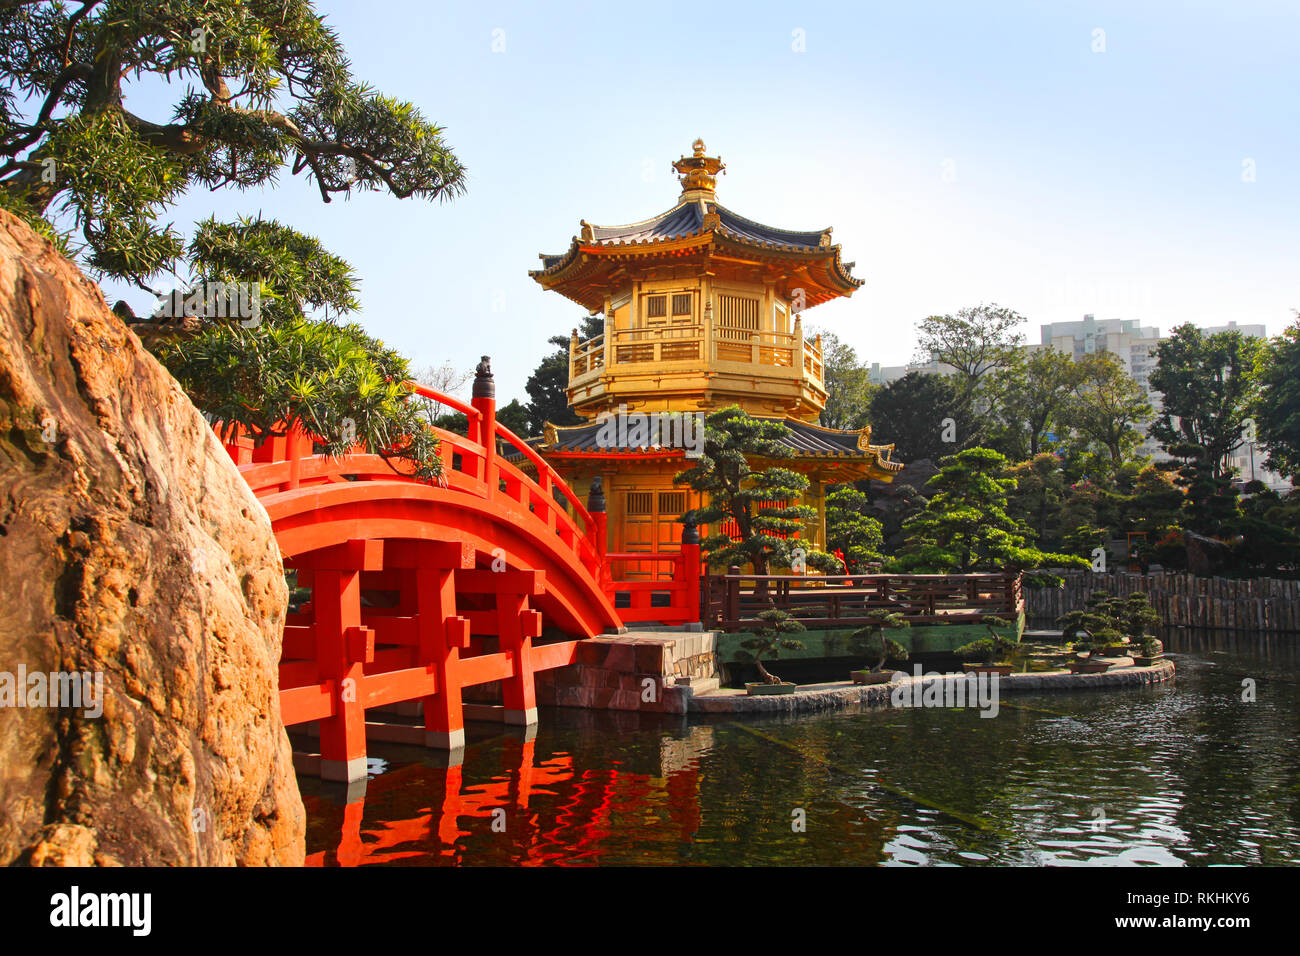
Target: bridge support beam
336	598
442	634
516	627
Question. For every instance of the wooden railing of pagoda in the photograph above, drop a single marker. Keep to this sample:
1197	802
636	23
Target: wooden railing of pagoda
734	600
697	343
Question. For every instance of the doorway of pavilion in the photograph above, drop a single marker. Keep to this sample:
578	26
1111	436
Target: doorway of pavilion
650	525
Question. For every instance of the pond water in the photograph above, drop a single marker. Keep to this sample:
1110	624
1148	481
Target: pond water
1184	773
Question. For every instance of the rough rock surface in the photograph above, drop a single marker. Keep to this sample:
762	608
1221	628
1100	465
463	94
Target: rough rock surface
129	547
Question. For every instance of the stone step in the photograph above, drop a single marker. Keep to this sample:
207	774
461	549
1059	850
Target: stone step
698	685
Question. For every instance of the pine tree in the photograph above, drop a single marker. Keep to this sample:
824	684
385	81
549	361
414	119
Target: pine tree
965	525
759	502
850	529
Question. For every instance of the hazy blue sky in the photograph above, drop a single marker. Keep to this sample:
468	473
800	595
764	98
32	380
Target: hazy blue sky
963	152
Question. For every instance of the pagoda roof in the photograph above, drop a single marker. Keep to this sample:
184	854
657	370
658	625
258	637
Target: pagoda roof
688	219
697	225
804	440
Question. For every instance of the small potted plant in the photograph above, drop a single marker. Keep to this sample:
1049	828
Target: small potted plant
1086	659
768	641
1090	630
1151	651
1107	625
987	655
871	641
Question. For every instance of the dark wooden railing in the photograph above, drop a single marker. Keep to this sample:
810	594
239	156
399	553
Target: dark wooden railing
734	600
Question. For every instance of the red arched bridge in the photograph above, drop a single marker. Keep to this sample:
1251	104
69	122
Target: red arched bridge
422	590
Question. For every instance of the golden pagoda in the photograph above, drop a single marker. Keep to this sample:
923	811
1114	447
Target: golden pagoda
702	309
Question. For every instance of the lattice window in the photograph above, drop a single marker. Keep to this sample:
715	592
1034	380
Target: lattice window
640	502
683	304
737	316
672	503
656	306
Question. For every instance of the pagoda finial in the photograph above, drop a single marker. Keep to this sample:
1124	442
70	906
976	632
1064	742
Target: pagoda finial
698	173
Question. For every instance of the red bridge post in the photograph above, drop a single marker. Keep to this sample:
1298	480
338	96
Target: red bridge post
688	568
440	643
484	431
596	508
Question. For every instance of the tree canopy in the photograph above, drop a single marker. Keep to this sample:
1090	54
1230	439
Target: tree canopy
1277	405
924	416
966	526
974	341
848	386
262	86
759	503
1208	384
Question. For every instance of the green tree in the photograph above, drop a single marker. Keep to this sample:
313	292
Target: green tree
974	341
870	641
925	416
267	87
333	380
1106	406
850	529
548	386
1277	405
1040	489
1209	386
769	639
965	525
848	387
759	502
1029	396
514	417
1210	500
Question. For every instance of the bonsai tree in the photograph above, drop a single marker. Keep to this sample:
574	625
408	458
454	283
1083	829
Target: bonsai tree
871	640
1151	647
1096	625
761	505
770	639
1137	617
986	650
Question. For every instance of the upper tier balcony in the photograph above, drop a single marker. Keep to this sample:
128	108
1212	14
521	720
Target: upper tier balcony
714	361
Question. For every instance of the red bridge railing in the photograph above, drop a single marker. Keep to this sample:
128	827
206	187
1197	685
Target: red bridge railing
479	463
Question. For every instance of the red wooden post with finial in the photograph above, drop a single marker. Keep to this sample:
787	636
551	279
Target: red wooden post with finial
484	431
596	508
688	569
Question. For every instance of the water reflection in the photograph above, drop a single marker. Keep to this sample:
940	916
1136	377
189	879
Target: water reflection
1183	773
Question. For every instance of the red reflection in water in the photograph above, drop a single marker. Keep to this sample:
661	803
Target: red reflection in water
552	812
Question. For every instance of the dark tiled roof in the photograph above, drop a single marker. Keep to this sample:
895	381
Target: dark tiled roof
803	439
687	219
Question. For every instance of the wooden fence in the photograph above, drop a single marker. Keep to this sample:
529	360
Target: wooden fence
1182	600
734	600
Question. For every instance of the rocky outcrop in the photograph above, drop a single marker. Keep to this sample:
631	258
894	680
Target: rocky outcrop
132	554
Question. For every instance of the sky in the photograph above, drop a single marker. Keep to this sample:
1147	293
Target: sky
1130	160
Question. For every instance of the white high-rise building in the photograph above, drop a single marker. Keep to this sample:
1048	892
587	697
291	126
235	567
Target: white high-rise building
1135	345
